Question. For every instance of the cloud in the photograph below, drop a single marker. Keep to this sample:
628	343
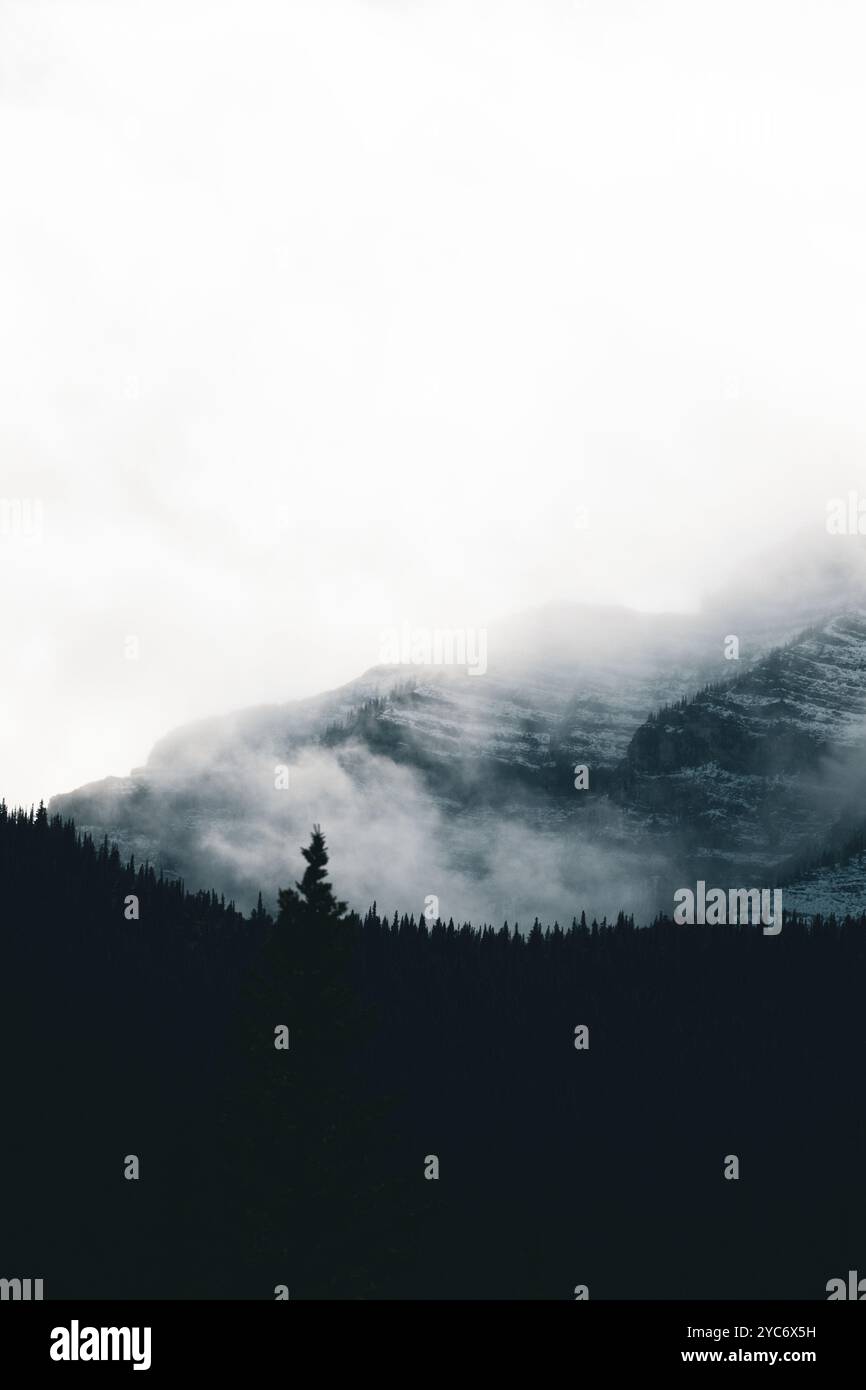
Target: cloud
323	317
392	843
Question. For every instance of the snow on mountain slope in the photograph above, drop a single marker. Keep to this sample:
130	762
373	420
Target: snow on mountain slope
837	889
423	776
753	772
435	780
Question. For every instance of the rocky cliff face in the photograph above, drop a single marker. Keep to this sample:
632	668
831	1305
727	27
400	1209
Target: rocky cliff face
793	705
753	772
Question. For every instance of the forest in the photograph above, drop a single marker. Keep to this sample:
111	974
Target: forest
348	1106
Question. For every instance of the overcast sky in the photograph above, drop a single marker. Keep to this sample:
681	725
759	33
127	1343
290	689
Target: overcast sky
319	317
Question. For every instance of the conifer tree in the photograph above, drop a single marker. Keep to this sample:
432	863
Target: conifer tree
314	898
308	1192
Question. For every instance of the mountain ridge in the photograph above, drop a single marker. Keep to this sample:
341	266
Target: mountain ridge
694	760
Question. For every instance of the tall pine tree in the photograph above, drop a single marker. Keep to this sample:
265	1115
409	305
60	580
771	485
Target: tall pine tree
300	1127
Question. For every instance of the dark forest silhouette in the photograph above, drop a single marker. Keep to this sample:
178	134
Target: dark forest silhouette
305	1166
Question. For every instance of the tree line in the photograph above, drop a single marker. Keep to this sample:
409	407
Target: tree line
286	1080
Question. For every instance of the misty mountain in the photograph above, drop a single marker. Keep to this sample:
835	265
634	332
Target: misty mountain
756	770
433	780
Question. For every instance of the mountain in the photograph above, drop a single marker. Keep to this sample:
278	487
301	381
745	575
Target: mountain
755	772
705	756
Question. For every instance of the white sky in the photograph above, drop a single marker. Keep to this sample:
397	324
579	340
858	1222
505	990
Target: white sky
317	317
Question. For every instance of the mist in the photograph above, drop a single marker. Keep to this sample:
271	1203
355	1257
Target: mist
390	842
319	319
